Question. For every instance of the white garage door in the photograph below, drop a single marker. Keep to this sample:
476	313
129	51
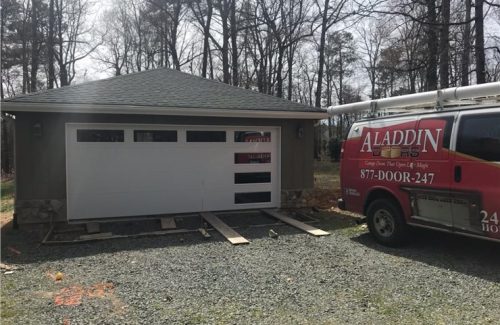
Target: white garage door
122	170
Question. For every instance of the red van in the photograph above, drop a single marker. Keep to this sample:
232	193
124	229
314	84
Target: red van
436	170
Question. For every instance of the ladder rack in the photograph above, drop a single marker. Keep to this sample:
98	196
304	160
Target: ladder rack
443	99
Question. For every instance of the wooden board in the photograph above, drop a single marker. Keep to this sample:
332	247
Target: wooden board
224	229
295	223
96	236
108	235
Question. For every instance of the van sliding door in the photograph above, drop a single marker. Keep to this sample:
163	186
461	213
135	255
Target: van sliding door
430	194
476	173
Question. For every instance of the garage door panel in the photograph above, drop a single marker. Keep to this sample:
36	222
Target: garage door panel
117	179
111	204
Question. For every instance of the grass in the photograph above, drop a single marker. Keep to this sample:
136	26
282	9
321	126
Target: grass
326	175
7	190
8	306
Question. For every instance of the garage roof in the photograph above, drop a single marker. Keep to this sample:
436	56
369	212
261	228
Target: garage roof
160	91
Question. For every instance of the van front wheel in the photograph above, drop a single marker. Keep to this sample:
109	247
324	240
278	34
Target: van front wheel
386	223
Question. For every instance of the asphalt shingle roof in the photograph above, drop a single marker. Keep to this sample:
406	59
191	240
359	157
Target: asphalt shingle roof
163	88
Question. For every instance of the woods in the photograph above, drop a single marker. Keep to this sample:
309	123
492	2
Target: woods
316	52
284	48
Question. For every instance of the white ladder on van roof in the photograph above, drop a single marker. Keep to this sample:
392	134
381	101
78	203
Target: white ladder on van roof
442	99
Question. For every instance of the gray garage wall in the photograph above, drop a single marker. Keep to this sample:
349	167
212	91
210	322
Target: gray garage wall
40	159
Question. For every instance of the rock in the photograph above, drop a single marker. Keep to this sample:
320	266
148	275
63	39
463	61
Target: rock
273	234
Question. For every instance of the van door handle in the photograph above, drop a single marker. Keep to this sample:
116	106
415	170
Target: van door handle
458	174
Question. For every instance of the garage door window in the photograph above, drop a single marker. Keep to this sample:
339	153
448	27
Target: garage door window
206	136
252	136
252	158
87	135
155	136
250	178
252	197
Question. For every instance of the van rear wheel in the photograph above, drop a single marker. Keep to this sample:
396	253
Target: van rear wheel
386	223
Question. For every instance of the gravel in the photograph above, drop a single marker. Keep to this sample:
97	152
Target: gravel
294	279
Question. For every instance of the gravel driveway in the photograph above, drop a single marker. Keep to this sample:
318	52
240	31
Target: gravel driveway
294	279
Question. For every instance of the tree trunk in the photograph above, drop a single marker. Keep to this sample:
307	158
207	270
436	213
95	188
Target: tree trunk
211	63
329	99
173	35
291	52
63	72
25	67
6	147
321	50
234	44
432	46
269	80
480	58
206	38
466	50
34	45
224	11
341	77
2	33
444	46
50	47
279	71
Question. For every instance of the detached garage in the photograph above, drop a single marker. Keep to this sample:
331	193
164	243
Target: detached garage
154	143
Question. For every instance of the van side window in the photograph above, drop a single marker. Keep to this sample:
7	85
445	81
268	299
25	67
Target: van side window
479	136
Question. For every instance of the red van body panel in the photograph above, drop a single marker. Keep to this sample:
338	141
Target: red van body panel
412	159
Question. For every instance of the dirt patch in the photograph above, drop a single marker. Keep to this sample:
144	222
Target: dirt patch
73	295
322	198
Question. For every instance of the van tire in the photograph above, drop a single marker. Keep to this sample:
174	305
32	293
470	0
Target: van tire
386	223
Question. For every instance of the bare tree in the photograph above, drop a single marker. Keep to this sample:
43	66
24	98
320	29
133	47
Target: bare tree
479	42
117	42
202	11
466	46
444	45
50	47
36	42
331	12
72	43
373	38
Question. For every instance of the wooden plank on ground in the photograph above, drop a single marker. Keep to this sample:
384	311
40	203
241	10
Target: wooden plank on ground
295	223
224	229
100	235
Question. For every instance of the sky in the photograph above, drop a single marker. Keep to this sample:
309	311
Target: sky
90	68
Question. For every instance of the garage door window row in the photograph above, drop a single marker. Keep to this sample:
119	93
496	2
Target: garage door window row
103	135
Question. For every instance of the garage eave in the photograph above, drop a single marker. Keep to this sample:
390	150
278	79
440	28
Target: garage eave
158	110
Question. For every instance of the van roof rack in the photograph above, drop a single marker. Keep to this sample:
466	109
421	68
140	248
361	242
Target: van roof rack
438	100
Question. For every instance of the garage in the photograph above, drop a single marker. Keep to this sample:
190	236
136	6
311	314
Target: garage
124	170
156	144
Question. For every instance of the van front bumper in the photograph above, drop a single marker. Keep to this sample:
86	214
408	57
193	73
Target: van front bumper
341	204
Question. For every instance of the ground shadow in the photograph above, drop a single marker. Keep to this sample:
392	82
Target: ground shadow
474	257
22	247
